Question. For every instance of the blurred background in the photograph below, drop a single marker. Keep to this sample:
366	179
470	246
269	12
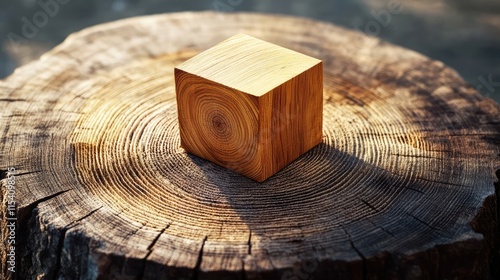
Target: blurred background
463	34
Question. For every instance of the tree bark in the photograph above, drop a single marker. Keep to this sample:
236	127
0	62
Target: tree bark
402	185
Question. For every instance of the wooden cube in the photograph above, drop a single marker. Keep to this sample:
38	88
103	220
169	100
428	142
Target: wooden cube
249	105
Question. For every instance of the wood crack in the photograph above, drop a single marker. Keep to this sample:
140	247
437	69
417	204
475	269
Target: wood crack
75	223
60	247
369	205
363	259
12	100
424	222
29	172
249	243
25	215
198	262
415	156
29	208
415	190
60	244
440	182
382	228
150	250
3	174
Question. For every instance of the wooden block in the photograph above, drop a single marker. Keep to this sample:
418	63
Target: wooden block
249	105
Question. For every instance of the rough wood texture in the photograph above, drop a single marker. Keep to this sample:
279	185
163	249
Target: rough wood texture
402	185
250	105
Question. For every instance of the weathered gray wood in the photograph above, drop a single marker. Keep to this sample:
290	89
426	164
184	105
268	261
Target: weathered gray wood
401	187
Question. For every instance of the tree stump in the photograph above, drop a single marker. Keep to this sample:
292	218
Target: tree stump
402	185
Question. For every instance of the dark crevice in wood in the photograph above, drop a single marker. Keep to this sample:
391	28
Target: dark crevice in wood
29	172
440	182
29	208
25	215
415	190
249	243
363	259
425	223
382	228
469	134
132	233
71	112
3	174
60	246
150	250
12	100
75	223
198	262
25	260
414	156
369	205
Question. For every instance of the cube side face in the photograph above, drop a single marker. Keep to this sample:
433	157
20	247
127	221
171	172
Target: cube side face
296	123
218	123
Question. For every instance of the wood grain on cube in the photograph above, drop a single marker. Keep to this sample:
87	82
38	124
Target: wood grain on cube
250	105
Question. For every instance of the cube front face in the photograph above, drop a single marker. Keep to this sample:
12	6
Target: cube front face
254	125
219	124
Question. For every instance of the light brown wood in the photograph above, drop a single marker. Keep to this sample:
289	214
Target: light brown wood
401	187
249	105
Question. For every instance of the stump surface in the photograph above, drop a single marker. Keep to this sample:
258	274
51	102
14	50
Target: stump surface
401	186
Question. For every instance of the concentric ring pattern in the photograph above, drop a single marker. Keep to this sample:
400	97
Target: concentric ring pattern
220	127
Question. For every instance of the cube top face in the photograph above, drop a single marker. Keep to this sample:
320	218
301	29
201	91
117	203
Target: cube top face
252	127
248	64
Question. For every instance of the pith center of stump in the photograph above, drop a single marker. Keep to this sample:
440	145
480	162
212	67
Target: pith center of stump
250	89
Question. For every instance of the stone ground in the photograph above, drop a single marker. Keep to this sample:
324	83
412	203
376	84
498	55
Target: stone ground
463	34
